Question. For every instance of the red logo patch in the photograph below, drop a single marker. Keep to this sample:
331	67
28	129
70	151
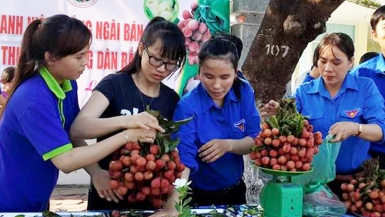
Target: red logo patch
352	113
240	125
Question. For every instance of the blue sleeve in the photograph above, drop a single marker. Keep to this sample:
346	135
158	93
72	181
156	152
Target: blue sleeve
298	99
308	78
374	112
250	111
187	134
45	135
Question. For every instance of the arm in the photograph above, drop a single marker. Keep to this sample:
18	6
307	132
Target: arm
2	100
370	132
374	115
85	156
100	178
343	130
89	125
216	148
372	120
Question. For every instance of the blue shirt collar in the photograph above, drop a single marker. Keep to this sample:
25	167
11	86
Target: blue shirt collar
380	62
208	103
319	86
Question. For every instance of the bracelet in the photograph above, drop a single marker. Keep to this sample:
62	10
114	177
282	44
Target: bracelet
360	128
125	136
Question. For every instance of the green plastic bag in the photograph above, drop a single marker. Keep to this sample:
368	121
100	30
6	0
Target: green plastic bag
323	165
318	199
215	13
322	202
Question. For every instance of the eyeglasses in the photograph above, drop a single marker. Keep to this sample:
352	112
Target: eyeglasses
171	67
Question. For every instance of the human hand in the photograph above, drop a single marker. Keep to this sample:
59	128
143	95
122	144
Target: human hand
101	182
343	130
214	149
166	212
270	109
142	120
142	135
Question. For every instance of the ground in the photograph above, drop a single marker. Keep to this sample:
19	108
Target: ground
69	198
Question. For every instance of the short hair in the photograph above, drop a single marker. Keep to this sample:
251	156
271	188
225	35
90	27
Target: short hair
8	74
377	16
341	40
367	56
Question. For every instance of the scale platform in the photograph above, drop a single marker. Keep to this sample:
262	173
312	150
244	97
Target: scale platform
281	197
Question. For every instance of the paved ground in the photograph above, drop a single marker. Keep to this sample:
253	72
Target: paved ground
69	198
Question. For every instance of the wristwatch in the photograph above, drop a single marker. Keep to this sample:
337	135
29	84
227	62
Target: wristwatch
359	129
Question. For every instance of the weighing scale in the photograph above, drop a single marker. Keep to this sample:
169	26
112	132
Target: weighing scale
280	197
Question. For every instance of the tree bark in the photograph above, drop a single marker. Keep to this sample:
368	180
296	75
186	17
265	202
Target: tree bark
287	27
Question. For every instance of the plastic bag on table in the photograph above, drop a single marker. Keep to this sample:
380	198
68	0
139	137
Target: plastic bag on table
322	202
318	198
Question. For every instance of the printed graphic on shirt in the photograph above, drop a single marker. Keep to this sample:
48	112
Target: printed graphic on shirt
128	112
352	113
240	125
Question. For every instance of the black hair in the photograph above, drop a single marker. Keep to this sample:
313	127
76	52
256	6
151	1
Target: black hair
172	43
340	40
367	56
377	16
221	48
8	74
60	35
235	39
315	57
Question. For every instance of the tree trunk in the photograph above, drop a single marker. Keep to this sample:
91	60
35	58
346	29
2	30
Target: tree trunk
287	27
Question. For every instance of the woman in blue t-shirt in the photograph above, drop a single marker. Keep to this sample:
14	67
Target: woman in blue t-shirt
36	119
224	124
348	107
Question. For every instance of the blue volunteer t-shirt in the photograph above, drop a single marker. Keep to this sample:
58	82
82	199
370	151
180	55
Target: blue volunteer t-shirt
374	69
237	119
357	101
34	128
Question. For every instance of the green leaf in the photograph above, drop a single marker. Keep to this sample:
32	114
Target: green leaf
273	122
166	148
255	148
47	213
188	200
174	144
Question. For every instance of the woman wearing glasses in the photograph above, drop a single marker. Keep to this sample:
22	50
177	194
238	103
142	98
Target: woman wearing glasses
119	101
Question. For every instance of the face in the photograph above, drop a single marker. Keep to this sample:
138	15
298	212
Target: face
333	65
217	77
8	86
154	67
379	35
69	67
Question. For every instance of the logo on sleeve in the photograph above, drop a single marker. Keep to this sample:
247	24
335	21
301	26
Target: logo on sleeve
240	125
352	113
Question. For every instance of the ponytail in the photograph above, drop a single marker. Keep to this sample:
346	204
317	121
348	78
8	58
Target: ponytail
27	63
